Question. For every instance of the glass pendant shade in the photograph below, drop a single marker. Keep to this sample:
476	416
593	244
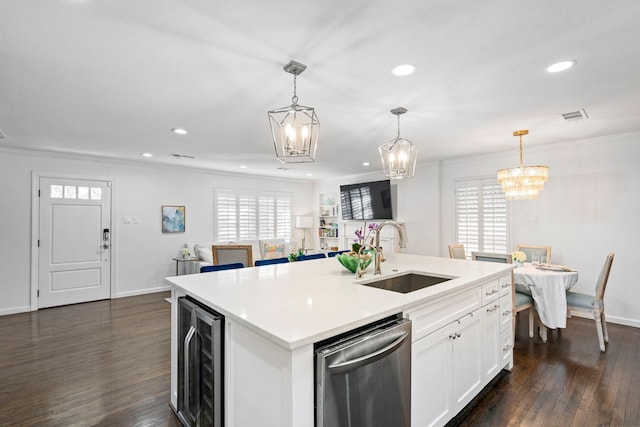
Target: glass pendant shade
295	128
399	155
522	182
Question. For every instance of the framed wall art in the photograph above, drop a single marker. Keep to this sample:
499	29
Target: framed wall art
173	219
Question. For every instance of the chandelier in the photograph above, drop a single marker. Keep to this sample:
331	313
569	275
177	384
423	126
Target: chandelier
522	182
294	129
398	156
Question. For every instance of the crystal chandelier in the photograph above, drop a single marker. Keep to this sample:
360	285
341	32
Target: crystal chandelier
294	129
522	182
398	156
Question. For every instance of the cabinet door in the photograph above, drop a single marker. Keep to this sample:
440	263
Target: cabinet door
491	340
431	400
467	359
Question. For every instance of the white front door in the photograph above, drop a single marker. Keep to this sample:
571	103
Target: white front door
74	260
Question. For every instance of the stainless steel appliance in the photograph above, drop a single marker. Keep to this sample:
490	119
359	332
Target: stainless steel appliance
200	364
363	379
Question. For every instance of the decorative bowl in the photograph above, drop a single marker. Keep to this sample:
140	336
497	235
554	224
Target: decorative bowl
350	261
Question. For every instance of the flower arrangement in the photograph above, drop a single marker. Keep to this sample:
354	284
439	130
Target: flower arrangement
519	256
186	253
361	238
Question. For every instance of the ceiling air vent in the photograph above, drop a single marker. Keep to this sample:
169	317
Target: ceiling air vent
575	115
181	156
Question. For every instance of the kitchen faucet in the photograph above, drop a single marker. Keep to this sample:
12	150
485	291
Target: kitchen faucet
402	243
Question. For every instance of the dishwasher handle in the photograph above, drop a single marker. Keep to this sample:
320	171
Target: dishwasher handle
353	364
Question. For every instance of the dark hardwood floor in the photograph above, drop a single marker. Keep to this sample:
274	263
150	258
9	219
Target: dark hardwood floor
106	363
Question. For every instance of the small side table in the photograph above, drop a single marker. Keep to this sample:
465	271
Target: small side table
179	260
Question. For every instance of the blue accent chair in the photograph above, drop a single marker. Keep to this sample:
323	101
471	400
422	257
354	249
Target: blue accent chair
312	256
260	262
334	253
219	267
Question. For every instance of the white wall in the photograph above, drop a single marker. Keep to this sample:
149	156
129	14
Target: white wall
141	252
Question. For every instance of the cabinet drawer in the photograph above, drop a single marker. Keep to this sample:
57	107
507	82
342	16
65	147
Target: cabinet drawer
490	291
506	349
505	283
506	312
431	316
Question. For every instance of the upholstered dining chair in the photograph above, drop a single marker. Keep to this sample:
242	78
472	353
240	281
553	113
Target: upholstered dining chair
283	260
311	256
593	305
520	301
529	250
227	254
334	253
457	251
220	267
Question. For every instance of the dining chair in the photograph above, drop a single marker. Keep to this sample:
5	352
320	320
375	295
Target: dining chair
311	256
220	267
593	304
227	254
529	250
260	262
521	301
334	253
457	251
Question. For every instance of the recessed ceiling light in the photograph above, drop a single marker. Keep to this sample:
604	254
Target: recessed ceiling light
366	163
243	166
146	154
309	174
403	70
179	131
560	66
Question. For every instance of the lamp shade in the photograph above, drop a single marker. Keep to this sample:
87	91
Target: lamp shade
304	221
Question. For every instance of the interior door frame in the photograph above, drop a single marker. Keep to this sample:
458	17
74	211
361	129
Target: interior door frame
35	227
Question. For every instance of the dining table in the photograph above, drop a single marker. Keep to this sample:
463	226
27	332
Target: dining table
548	285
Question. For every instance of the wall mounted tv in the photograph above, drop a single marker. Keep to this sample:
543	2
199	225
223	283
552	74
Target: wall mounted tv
367	200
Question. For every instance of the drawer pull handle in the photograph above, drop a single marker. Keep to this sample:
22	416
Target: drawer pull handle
507	313
494	308
506	285
452	336
507	347
493	291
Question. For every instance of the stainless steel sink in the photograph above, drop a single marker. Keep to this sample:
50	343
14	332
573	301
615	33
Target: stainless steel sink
408	282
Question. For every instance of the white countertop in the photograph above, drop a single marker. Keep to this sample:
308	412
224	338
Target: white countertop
304	302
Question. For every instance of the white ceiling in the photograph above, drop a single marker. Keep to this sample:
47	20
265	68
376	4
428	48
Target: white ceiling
112	77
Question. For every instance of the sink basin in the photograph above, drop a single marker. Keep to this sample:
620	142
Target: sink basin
408	282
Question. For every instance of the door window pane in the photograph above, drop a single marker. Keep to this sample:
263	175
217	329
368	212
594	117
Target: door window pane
69	191
96	193
83	193
56	192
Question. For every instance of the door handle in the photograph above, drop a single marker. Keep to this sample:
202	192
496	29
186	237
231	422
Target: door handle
361	361
187	382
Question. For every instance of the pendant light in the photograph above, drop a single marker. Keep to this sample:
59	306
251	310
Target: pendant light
522	182
398	156
294	129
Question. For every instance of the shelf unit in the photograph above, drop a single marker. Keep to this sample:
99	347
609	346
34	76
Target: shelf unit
328	230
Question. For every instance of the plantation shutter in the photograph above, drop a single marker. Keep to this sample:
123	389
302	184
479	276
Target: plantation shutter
481	216
247	215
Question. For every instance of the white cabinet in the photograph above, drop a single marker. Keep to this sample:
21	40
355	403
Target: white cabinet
452	362
446	371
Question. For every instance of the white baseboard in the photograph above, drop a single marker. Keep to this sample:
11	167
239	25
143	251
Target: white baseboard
612	319
15	310
142	291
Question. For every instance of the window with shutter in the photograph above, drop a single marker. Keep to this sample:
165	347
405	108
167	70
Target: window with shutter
481	216
247	215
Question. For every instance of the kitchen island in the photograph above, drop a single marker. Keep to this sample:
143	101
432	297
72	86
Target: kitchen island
461	331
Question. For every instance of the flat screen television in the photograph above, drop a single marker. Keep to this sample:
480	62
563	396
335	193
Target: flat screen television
367	200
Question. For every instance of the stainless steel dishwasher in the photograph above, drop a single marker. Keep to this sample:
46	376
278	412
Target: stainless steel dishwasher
363	379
